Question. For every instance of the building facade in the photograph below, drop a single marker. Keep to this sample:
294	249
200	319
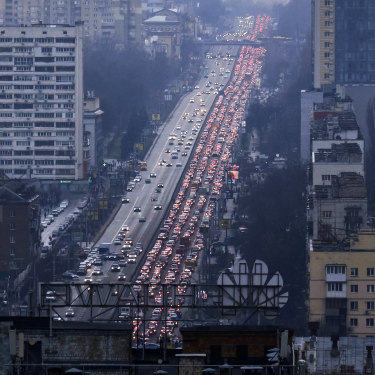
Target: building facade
41	83
93	148
342	287
163	33
337	172
341	245
343	38
354	42
115	21
308	98
323	42
19	230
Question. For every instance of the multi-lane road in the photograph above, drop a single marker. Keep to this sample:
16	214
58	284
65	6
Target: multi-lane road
193	150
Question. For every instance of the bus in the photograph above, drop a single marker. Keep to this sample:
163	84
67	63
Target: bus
143	166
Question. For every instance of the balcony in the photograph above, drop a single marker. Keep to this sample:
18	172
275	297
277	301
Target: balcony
336	277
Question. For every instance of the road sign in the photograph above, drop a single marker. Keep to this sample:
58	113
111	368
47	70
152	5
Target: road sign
225	223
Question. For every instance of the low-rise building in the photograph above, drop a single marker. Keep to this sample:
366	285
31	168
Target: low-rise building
164	33
41	348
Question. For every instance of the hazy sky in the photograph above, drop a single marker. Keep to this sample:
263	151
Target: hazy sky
271	2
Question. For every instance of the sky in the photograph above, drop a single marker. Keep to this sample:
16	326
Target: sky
271	2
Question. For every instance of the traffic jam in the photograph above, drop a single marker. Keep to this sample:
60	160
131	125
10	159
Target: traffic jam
177	252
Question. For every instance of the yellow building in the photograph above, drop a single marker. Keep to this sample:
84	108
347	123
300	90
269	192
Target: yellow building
323	25
342	287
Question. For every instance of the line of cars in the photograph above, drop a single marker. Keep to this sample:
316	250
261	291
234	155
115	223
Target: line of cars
175	255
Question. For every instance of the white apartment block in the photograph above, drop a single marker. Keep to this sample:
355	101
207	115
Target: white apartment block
41	101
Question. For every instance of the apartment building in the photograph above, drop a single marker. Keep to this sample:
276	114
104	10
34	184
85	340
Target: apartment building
343	38
337	174
341	246
41	101
112	21
323	42
342	287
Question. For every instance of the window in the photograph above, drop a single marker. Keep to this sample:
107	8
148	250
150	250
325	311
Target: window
327	13
370	288
12	212
370	305
12	239
354	272
327	214
370	272
327	44
12	226
354	305
327	3
336	269
353	322
335	287
354	288
369	322
326	177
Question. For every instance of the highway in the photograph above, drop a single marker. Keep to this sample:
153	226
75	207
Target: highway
169	176
208	145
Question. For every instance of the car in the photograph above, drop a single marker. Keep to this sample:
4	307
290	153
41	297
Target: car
137	209
169	165
160	185
132	259
125	200
138	178
158	207
121	277
57	318
167	151
115	267
69	313
157	190
184	154
142	220
87	280
117	241
147	181
178	165
129	241
51	296
191	100
125	228
152	175
122	263
97	271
